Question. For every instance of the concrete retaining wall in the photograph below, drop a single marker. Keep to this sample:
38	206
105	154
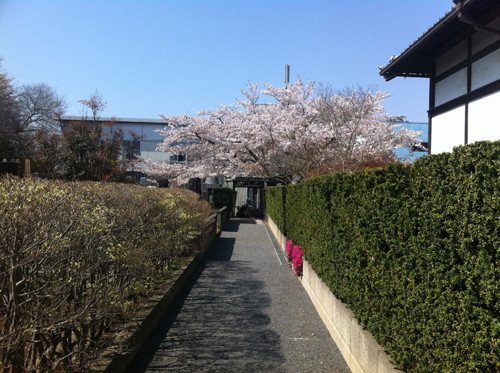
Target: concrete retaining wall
360	350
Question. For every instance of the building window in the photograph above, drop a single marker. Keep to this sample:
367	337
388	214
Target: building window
131	148
177	158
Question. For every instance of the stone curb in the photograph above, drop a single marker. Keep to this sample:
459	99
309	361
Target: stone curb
117	357
358	347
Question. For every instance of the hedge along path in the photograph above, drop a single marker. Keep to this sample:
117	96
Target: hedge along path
74	259
412	250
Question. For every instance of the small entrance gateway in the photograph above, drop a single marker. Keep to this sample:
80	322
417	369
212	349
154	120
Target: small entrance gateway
249	198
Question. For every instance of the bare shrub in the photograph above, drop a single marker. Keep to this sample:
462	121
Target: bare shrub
73	259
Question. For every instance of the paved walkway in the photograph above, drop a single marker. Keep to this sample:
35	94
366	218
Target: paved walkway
242	311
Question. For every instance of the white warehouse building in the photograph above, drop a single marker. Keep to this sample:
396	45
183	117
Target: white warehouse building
145	130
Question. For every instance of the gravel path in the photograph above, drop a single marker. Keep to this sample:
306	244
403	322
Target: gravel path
242	311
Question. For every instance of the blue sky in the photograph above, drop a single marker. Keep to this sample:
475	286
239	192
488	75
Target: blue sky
150	57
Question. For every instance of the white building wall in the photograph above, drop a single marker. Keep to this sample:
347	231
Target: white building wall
483	115
451	87
484	119
158	157
448	130
150	134
486	70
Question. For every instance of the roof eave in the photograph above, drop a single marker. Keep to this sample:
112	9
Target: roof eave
388	71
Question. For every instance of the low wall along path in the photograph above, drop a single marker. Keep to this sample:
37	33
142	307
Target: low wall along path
361	351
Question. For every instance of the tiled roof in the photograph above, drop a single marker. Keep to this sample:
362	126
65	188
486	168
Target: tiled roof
394	59
417	59
428	30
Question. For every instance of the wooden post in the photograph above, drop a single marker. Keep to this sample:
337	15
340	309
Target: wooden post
27	168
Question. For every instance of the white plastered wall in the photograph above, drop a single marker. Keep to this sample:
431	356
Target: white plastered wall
484	118
486	70
448	130
451	87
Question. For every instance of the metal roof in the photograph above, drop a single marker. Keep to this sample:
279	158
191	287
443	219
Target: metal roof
120	120
418	58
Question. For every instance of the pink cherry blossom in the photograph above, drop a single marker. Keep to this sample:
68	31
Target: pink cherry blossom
297	132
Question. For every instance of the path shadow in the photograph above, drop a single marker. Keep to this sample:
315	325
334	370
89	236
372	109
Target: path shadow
221	250
218	323
234	224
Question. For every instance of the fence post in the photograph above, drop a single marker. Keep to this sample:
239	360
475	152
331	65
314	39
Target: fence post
219	221
27	168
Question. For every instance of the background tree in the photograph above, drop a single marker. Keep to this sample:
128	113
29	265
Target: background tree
92	148
24	112
40	107
300	131
11	136
30	127
48	156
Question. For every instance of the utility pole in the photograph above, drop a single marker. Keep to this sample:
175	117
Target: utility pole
287	74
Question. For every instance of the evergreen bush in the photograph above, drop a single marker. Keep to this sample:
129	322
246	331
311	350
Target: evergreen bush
223	197
275	198
414	251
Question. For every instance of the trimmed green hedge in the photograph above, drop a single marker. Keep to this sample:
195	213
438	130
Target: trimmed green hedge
223	197
275	198
414	251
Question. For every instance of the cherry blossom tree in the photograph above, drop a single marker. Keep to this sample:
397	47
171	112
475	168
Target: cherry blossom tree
300	131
